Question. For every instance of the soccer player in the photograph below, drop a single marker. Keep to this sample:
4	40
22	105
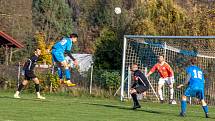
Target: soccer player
58	50
28	72
140	85
195	81
166	76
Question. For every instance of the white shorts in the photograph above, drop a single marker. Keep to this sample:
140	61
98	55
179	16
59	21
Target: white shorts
168	80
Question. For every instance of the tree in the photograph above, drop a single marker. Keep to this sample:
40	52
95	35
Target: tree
158	17
45	55
107	53
53	17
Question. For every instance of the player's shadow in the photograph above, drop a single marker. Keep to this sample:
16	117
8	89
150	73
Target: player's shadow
127	108
33	99
110	106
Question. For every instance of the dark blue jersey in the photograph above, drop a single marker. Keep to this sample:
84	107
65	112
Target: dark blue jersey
30	63
140	79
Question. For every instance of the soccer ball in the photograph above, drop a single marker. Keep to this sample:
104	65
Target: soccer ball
117	10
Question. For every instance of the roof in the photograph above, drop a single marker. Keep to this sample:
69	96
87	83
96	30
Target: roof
9	41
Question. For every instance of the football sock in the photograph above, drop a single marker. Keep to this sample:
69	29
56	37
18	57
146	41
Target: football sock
20	87
37	87
160	94
183	106
205	108
67	73
171	93
134	97
60	73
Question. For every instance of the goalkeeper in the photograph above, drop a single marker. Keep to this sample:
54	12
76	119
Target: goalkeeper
140	85
64	45
195	80
166	76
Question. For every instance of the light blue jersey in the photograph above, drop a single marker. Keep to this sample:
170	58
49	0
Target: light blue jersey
63	45
59	48
196	77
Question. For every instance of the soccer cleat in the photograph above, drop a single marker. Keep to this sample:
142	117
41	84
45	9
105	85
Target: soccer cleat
182	114
136	105
41	97
162	101
69	83
16	96
173	102
64	82
206	115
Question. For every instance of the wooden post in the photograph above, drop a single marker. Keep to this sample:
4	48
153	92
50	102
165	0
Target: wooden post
6	54
11	54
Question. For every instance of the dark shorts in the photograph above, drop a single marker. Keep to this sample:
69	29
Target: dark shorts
141	88
29	75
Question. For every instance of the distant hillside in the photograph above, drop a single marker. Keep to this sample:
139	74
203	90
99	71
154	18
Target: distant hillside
16	18
187	4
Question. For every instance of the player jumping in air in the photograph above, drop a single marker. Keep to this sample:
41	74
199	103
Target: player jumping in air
140	85
195	81
166	76
58	50
28	72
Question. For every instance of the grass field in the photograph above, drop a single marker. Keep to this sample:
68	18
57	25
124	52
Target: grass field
68	108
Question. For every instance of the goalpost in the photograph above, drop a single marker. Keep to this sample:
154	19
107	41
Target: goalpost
177	50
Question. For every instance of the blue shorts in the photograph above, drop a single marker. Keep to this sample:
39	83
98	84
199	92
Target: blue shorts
57	56
195	92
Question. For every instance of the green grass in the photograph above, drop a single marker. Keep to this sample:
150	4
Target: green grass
68	108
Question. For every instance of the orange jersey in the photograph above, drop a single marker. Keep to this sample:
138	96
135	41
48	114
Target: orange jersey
164	70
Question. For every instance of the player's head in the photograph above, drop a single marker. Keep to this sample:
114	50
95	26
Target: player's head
134	67
193	61
37	51
161	58
74	37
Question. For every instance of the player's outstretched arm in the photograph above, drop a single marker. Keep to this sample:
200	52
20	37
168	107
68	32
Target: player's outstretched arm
152	70
70	55
179	86
186	81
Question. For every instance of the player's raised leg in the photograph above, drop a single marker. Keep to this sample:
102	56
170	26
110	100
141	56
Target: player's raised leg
20	87
67	73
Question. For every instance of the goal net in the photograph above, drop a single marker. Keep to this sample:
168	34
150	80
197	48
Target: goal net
177	51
